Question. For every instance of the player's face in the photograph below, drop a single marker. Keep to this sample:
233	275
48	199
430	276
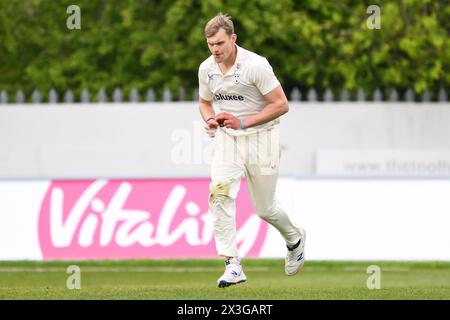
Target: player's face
221	45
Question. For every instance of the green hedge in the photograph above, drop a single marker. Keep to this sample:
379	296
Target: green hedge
157	44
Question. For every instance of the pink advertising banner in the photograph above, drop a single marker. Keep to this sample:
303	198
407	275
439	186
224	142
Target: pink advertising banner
138	219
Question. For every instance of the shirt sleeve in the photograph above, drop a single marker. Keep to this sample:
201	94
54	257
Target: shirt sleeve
264	77
203	88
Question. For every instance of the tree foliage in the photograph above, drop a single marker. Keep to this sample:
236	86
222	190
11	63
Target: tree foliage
159	44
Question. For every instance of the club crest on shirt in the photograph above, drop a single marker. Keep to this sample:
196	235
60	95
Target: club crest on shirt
236	74
236	78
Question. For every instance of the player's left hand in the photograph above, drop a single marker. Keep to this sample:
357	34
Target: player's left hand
227	120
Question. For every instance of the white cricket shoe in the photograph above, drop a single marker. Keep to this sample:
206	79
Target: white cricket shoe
233	275
296	256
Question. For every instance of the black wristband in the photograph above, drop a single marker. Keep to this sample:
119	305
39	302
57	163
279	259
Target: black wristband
210	119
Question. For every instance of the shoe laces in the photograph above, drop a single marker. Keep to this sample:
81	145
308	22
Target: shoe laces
233	268
293	254
232	261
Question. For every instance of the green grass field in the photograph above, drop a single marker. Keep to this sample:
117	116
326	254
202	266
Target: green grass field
196	279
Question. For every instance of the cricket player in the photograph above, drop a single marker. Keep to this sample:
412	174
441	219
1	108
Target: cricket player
245	89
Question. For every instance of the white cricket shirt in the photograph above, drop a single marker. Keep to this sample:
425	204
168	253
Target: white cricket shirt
241	90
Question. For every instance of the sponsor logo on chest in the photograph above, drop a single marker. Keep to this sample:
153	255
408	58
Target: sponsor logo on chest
220	96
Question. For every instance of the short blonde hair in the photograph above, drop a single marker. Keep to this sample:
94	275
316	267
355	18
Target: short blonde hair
220	21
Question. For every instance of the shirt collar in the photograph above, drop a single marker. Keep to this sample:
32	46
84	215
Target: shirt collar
237	63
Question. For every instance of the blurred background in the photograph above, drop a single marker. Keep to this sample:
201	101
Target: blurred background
102	150
158	45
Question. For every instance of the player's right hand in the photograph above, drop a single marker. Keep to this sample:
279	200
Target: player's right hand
211	127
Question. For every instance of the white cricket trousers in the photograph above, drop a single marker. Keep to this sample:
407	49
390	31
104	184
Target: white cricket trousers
255	156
